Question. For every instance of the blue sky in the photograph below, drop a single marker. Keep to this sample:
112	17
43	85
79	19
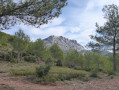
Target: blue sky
76	22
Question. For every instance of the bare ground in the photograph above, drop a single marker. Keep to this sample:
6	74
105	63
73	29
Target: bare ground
8	83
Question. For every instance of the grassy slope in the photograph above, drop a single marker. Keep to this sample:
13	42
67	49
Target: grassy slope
26	68
5	43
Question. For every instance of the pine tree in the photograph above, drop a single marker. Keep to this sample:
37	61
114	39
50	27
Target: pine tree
20	43
32	12
38	48
57	54
107	36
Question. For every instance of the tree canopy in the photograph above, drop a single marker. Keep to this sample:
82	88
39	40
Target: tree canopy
107	36
57	54
31	12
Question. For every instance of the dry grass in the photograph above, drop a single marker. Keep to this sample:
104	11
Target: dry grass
5	87
6	66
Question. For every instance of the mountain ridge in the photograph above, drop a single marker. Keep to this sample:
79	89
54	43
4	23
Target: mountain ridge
64	43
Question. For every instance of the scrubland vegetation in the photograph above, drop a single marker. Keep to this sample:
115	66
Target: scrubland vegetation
48	65
19	56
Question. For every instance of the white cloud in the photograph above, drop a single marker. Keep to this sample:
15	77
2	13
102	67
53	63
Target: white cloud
87	18
54	22
76	22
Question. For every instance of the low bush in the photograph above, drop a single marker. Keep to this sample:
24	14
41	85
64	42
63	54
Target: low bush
4	44
111	73
23	72
42	70
77	67
67	73
94	73
8	57
59	63
49	61
86	69
52	78
30	58
13	60
48	79
69	76
47	74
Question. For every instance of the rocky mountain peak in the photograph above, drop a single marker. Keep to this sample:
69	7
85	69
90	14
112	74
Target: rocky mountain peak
64	43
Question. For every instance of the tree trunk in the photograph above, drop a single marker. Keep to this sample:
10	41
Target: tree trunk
11	54
88	63
114	56
18	57
21	56
38	60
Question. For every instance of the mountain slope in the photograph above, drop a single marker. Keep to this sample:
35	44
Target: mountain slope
64	43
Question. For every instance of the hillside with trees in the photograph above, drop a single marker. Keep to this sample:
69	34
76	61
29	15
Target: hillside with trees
26	64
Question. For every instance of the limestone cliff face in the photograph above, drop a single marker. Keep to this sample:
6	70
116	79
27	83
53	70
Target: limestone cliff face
64	43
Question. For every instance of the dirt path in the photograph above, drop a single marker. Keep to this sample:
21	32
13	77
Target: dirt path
100	84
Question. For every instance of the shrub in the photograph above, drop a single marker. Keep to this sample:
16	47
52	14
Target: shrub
94	73
42	70
77	67
69	76
49	61
30	58
13	60
86	69
67	73
111	73
0	45
23	72
59	63
48	79
8	57
53	77
85	79
4	44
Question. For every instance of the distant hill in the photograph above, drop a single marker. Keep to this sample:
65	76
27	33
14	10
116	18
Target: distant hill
64	43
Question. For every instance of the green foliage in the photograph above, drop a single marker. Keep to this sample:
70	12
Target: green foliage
61	74
30	58
31	12
5	47
48	79
4	44
42	70
57	54
0	45
20	43
4	38
59	63
37	48
8	57
67	74
49	61
49	76
107	35
94	73
23	72
70	76
111	73
73	59
13	60
77	67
